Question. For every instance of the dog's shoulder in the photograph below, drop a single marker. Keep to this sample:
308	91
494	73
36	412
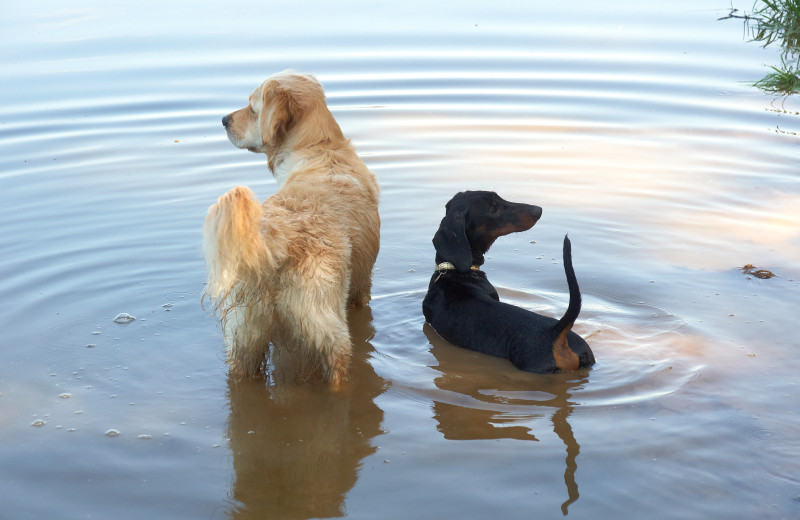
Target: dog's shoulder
450	292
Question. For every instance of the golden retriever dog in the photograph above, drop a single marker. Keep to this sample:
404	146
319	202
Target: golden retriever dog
282	274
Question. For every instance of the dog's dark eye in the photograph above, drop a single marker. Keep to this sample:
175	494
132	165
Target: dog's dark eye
492	209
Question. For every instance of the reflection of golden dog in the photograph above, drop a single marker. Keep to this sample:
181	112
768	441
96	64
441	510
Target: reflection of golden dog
297	452
284	272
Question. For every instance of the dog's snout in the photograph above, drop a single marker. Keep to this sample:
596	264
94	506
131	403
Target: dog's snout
528	212
225	121
528	216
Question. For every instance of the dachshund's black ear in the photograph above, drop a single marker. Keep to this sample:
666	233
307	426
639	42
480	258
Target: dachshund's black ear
450	240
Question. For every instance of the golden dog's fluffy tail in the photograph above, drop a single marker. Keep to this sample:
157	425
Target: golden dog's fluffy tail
234	248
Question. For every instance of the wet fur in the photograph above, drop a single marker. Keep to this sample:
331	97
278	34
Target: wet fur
465	309
282	274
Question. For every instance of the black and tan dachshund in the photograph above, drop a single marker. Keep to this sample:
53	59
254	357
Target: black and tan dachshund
464	308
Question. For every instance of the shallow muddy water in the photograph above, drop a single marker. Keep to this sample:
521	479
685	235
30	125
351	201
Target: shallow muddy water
632	126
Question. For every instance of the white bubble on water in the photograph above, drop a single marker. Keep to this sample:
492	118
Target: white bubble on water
112	433
124	318
145	436
38	423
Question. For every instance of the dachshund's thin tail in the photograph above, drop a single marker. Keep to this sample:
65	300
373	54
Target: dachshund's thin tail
574	291
566	359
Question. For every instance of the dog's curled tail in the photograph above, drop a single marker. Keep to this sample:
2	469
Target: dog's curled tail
232	243
566	359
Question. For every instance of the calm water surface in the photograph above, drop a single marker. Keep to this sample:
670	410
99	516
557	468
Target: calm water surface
632	126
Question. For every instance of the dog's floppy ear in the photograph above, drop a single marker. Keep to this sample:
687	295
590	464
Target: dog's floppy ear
279	111
450	240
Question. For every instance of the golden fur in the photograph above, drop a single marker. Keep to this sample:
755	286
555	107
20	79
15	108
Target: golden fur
282	274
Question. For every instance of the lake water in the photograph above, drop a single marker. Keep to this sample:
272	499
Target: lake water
630	123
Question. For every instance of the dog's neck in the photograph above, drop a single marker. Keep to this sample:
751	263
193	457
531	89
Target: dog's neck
477	260
287	162
284	165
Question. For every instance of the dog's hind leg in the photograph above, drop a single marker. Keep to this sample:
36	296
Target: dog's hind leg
325	339
336	354
316	315
363	256
246	340
361	286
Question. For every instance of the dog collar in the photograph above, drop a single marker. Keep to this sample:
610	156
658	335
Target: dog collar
447	266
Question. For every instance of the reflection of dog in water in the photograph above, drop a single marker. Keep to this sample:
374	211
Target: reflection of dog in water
284	272
499	418
296	449
465	309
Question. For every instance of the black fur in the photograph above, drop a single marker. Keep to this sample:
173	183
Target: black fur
464	308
